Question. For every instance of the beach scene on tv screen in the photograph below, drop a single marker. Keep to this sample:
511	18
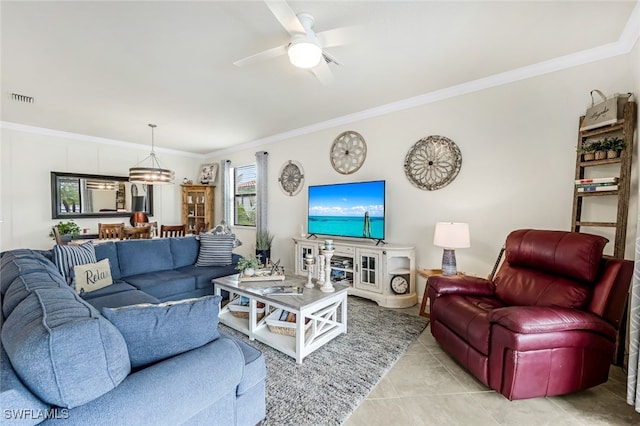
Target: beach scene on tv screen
348	210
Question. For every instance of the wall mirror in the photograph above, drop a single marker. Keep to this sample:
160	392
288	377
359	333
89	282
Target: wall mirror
76	195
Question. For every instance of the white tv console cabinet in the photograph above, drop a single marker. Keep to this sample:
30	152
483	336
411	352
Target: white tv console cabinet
374	272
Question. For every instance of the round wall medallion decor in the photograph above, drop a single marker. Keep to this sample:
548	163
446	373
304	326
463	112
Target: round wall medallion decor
291	177
433	162
348	152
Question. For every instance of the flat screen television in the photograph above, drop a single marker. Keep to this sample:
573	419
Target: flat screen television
354	210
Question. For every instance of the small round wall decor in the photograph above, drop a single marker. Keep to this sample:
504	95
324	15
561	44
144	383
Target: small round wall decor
348	152
433	162
291	177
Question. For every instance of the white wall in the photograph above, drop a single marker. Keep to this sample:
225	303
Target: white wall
25	194
518	144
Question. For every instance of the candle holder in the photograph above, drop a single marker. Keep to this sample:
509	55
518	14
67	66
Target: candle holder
310	262
320	264
327	287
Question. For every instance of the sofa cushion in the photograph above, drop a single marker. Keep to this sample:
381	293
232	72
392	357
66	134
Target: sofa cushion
23	285
92	276
204	274
125	298
108	250
66	257
518	286
574	255
162	284
63	349
215	250
142	256
255	370
116	287
156	332
184	250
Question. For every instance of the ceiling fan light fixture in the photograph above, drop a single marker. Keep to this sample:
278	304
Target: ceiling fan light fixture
305	52
153	175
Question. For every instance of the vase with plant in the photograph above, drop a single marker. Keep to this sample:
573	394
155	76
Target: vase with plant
588	150
263	246
248	265
613	146
67	230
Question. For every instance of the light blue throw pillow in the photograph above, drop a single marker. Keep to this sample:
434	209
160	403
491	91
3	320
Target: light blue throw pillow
154	332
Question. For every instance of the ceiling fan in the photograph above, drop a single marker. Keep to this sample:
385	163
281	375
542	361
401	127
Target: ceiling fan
306	47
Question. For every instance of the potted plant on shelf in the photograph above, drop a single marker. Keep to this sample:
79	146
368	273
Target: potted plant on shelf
263	246
613	146
67	230
248	265
589	149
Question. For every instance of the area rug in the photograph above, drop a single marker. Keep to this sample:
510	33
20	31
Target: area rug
332	381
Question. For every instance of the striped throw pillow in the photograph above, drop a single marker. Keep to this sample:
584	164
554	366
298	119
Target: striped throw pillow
66	257
215	250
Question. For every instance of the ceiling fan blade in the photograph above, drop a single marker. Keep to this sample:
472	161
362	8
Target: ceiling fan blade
287	17
262	56
323	72
340	36
330	59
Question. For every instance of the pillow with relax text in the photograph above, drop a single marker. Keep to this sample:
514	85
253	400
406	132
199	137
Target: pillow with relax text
92	276
154	332
215	250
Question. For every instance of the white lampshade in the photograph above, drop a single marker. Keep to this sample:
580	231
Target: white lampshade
305	52
451	235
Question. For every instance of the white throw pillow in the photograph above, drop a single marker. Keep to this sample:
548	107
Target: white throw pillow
92	276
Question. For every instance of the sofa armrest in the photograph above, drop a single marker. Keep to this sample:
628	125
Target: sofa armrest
460	284
547	319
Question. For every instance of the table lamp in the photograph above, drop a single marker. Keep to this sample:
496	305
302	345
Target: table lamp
451	236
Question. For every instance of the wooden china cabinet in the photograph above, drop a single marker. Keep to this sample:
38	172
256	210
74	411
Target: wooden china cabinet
197	207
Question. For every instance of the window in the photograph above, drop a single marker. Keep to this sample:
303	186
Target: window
244	195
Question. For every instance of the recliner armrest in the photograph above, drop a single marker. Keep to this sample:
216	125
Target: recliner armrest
547	319
461	284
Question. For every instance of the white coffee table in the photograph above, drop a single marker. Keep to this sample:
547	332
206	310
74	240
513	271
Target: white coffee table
327	314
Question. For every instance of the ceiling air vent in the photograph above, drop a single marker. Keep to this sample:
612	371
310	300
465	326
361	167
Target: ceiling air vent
22	98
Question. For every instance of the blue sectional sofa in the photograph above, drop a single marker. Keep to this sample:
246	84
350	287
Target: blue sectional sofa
158	359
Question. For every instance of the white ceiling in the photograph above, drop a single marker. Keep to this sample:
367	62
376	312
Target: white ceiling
106	69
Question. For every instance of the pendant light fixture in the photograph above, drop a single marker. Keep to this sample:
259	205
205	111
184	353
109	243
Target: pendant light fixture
153	175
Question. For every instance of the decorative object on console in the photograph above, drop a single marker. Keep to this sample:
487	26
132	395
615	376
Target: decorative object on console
291	177
310	262
327	287
208	173
433	162
451	236
154	174
348	152
263	246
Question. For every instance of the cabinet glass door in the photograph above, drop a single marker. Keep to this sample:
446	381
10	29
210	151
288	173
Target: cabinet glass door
369	274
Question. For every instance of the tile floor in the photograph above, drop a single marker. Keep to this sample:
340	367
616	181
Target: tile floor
426	387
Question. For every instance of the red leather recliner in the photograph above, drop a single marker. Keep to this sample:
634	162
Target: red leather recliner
548	322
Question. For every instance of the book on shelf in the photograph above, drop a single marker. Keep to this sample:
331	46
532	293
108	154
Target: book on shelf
598	188
597	180
593	185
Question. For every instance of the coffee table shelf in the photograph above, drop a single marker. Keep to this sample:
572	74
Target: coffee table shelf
327	313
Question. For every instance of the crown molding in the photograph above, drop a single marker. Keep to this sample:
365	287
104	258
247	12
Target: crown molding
624	45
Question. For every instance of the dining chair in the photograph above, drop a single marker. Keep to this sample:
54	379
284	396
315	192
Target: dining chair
109	231
173	230
57	236
137	233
